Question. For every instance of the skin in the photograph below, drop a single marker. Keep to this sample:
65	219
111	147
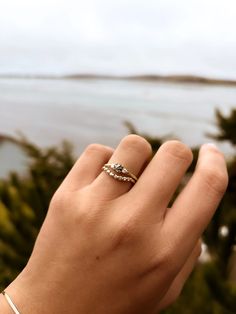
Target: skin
113	247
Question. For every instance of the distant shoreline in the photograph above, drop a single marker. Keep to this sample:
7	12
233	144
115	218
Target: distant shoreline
7	138
191	79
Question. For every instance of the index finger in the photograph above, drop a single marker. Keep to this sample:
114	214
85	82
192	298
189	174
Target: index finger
197	203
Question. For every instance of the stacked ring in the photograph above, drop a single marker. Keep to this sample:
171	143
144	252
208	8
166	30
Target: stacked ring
119	172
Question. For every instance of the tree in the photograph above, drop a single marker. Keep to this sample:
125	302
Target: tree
24	203
226	126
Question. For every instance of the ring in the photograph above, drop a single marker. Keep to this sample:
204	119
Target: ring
116	170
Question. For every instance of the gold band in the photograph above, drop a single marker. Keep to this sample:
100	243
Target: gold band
11	304
119	172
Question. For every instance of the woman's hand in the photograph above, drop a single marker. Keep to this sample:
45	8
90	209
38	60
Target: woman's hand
110	247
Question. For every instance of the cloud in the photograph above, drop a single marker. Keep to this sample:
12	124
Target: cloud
71	33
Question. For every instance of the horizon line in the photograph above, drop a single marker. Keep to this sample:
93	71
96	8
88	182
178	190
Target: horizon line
171	78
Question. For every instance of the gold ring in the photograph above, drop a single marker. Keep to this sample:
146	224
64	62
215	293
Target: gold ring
119	172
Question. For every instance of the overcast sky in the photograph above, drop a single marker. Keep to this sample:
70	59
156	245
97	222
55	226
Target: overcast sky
118	37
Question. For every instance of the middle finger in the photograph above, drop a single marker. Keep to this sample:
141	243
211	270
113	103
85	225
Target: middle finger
161	178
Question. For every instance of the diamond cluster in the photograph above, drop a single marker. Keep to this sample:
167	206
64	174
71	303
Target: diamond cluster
119	168
113	169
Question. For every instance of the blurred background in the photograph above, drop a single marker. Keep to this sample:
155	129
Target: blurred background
77	72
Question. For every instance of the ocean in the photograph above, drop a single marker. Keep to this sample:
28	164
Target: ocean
48	111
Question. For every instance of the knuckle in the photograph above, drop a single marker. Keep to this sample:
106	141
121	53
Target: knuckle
59	200
137	143
123	233
169	264
81	207
166	263
178	150
215	179
88	206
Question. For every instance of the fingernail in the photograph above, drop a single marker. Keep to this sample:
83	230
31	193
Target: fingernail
211	145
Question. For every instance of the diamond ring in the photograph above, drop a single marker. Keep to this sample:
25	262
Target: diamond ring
119	172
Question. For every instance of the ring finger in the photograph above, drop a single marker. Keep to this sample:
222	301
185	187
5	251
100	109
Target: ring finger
133	153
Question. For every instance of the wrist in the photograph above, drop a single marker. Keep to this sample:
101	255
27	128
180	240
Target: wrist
4	306
16	292
27	296
19	296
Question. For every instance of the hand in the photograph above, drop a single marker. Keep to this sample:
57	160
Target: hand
110	247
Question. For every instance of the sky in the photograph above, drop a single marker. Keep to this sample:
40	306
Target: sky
118	37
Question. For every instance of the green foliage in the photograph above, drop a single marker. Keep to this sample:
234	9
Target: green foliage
24	203
226	127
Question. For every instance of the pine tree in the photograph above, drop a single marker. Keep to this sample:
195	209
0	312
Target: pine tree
24	203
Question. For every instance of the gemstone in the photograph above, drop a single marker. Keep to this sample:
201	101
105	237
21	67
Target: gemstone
118	167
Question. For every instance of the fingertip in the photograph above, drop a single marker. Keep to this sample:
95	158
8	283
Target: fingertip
210	147
211	151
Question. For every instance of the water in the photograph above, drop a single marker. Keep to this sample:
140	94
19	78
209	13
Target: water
11	158
86	111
